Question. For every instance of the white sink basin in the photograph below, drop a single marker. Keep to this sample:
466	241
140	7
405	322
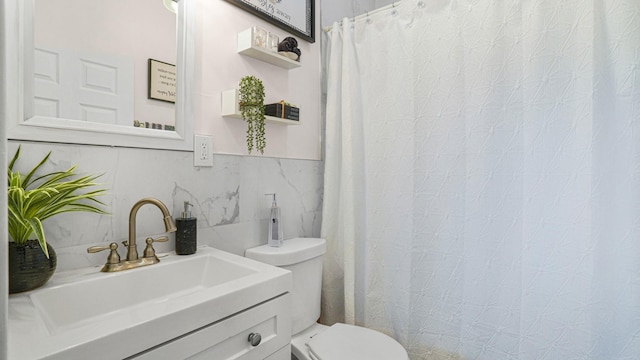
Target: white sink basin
78	314
84	301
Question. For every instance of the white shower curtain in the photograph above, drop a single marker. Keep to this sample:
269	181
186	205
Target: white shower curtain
482	182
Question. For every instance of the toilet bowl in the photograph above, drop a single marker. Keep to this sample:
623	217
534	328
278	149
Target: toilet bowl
310	340
345	342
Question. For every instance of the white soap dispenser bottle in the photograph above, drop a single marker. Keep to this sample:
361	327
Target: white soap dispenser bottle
275	236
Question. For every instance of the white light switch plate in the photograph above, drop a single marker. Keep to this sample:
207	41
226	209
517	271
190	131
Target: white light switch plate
202	146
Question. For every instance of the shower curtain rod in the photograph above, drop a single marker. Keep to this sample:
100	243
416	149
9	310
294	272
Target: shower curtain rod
375	11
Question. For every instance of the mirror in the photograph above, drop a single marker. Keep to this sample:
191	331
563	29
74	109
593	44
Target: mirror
44	120
102	75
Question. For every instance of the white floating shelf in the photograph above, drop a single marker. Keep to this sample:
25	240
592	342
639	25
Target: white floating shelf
246	47
231	108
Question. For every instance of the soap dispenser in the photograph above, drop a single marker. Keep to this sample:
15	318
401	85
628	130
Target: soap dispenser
275	236
186	234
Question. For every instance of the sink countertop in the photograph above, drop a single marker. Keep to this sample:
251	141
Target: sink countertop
125	331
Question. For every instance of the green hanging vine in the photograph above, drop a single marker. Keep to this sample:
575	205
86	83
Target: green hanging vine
252	110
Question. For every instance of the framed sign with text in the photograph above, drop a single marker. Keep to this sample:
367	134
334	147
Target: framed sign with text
162	81
294	16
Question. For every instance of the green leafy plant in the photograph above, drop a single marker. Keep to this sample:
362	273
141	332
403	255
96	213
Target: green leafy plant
33	198
252	110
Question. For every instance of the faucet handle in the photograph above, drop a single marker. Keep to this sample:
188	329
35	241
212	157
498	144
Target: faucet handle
149	251
113	258
161	239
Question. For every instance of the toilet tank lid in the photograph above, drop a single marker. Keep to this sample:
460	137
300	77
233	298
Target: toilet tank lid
291	252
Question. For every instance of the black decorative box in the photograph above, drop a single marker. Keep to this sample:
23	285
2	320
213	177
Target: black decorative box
276	110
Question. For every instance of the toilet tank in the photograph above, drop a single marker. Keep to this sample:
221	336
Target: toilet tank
303	257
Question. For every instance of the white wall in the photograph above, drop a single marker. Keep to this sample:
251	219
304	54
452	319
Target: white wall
221	68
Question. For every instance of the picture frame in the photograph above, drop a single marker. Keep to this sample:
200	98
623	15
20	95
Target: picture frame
162	81
294	16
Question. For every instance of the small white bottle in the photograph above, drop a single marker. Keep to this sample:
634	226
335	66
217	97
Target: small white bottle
275	235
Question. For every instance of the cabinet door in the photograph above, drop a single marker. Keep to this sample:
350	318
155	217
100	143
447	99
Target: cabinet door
228	339
282	354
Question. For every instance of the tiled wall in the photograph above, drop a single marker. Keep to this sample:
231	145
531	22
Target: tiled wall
228	198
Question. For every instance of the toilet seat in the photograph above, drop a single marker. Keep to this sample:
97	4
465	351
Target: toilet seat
348	342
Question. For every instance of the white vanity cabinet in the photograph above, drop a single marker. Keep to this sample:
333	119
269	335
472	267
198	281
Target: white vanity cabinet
201	306
228	339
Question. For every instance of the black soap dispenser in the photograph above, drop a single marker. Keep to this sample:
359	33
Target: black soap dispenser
186	235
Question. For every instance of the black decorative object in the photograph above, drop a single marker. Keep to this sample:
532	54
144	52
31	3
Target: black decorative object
283	111
187	232
29	267
186	236
290	45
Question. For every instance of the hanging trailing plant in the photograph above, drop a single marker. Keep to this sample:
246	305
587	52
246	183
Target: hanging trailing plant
251	100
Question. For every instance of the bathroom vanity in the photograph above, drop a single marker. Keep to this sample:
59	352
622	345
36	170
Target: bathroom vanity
208	305
228	339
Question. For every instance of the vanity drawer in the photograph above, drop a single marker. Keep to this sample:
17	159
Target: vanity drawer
228	339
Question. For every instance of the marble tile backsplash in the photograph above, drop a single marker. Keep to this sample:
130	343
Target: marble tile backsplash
228	198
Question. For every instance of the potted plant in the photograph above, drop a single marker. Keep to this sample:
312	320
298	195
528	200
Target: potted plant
31	199
251	102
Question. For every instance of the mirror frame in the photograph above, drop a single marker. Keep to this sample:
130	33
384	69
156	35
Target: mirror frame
22	125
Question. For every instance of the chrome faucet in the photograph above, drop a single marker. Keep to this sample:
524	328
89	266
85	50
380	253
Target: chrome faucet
149	254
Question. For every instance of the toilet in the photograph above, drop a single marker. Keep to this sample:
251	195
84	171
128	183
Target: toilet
310	340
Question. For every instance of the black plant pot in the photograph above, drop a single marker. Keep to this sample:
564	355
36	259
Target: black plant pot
29	267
